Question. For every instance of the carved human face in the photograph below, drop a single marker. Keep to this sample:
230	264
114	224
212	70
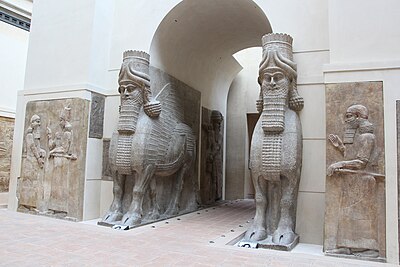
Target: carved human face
129	91
351	119
274	80
36	123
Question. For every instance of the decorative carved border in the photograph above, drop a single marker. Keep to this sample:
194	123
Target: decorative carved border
14	20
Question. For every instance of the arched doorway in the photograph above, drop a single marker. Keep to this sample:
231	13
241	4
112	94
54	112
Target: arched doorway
196	40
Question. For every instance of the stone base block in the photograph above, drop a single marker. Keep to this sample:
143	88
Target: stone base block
379	259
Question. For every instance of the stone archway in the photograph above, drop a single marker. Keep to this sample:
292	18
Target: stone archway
196	40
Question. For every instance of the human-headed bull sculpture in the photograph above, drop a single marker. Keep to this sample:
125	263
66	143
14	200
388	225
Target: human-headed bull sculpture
150	142
276	147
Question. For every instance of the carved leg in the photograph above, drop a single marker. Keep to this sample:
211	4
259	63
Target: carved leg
258	231
173	208
284	234
134	214
155	213
115	211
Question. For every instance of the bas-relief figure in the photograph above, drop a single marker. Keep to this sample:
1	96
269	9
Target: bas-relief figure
52	176
354	217
357	232
276	147
6	138
151	146
33	172
212	155
96	116
60	156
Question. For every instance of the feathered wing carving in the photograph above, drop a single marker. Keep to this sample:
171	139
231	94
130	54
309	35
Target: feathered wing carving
164	127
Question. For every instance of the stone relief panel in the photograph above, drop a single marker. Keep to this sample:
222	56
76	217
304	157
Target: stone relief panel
398	163
355	182
276	148
212	143
6	139
54	158
106	169
152	153
96	116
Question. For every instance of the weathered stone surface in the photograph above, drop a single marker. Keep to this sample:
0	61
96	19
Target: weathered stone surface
96	116
54	157
212	143
153	151
355	187
276	147
398	164
106	170
6	138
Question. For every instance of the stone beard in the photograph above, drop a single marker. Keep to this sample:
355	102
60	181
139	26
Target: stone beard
273	115
129	115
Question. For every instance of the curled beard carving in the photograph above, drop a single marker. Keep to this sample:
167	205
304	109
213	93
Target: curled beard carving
273	115
128	116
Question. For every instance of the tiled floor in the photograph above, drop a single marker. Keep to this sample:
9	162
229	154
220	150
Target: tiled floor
196	239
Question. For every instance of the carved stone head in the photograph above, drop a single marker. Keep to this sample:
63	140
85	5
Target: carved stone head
278	81
134	82
356	117
35	121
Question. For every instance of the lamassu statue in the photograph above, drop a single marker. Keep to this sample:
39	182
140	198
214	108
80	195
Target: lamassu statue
276	147
151	142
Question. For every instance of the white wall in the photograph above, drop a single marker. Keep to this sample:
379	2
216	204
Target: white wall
13	51
364	40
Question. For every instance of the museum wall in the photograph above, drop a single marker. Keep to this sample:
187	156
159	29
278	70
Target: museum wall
334	42
13	52
368	51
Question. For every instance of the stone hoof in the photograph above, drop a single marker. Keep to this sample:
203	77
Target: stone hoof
112	216
154	215
255	234
367	253
172	211
283	237
131	219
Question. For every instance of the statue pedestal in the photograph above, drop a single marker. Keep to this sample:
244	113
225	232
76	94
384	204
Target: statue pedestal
268	244
353	257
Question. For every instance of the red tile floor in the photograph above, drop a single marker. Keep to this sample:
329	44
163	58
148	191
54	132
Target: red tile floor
195	239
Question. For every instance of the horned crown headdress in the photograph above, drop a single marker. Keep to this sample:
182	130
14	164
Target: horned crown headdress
278	55
136	68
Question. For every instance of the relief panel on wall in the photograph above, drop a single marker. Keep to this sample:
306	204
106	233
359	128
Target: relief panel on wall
6	139
355	182
152	153
96	116
53	158
211	156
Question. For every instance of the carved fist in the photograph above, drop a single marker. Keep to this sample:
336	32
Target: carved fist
40	162
333	168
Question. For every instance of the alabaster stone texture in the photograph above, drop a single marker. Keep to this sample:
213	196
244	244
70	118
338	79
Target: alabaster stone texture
276	147
54	157
96	116
355	199
152	152
6	138
398	163
212	144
